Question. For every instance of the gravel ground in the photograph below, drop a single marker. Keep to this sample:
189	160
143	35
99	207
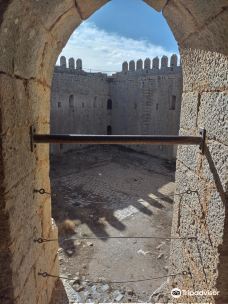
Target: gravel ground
112	191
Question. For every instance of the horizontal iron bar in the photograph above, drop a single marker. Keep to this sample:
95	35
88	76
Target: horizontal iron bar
117	139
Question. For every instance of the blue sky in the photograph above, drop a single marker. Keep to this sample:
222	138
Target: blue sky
121	30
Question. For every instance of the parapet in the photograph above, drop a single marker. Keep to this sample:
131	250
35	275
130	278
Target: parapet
164	62
155	65
63	61
71	63
125	66
79	64
132	66
139	65
147	64
173	60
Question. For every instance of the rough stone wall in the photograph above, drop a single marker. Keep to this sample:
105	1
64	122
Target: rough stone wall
141	102
78	104
203	214
204	49
32	34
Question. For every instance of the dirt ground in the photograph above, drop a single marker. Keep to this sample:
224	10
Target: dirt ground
110	191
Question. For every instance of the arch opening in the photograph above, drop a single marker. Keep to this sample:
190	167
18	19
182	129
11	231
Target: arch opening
26	78
114	102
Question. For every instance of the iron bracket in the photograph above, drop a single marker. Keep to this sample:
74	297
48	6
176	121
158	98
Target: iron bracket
202	133
32	131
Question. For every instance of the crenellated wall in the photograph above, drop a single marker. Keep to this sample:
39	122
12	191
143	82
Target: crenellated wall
78	102
145	99
32	34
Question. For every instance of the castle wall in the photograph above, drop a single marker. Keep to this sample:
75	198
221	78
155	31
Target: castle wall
144	99
78	104
142	104
29	49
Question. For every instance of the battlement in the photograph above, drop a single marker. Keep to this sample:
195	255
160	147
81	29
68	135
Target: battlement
132	101
72	66
155	65
140	67
71	63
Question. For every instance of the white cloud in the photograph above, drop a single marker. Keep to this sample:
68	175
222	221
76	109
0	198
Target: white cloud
105	51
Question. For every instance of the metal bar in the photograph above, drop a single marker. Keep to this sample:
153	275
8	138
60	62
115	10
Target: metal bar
116	139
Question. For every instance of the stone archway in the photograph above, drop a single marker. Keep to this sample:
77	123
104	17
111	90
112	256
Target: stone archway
32	34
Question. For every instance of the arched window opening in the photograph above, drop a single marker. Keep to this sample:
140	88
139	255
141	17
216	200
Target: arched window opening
71	101
109	130
172	105
131	101
109	104
59	104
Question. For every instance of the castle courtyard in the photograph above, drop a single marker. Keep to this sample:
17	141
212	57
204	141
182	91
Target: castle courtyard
108	224
110	191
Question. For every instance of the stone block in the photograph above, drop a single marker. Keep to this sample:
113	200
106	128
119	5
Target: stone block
214	164
39	99
196	215
205	38
204	70
29	289
88	7
47	13
213	115
189	107
203	11
16	146
190	155
37	46
175	13
158	5
31	49
46	263
13	92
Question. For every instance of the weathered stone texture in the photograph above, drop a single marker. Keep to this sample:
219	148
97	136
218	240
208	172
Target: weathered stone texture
205	38
203	41
188	119
140	100
32	33
88	7
156	4
38	37
197	30
201	73
195	215
51	14
203	11
213	115
79	104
